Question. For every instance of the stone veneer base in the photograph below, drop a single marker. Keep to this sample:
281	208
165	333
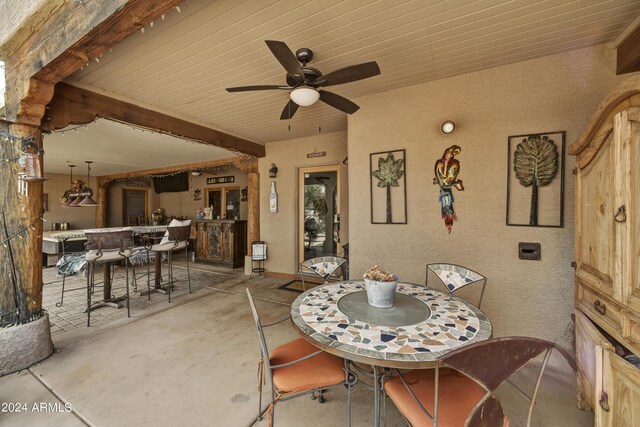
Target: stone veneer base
23	345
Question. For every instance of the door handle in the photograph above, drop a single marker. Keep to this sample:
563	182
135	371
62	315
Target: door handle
604	402
600	307
621	214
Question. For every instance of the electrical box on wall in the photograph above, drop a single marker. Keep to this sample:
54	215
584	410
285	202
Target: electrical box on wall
529	251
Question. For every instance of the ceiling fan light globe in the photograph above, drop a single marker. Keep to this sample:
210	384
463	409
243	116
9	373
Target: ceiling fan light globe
304	96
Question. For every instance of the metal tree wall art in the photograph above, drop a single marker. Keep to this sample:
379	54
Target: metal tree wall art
536	162
446	177
390	176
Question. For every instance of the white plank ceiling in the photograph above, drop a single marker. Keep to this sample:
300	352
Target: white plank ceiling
182	64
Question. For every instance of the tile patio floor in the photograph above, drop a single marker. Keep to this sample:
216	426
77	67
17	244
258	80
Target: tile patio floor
193	363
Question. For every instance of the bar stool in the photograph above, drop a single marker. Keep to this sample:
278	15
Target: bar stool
176	239
107	247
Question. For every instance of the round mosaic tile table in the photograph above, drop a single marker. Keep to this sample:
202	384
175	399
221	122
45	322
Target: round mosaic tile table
449	323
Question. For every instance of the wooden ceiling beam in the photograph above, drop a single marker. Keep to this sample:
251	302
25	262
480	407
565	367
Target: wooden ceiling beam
73	105
238	162
628	49
73	34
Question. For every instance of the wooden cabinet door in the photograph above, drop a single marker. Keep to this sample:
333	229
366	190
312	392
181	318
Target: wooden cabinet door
228	242
589	346
201	239
215	241
595	225
620	406
627	130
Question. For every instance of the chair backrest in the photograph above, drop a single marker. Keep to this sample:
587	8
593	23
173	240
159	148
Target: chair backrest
109	240
455	277
324	266
492	362
178	233
263	343
133	220
142	220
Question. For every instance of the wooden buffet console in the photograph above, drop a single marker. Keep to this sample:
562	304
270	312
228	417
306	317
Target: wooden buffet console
607	249
220	241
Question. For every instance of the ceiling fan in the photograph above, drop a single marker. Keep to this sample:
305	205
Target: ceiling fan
305	82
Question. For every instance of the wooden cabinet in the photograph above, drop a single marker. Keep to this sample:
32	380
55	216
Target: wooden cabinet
220	241
607	250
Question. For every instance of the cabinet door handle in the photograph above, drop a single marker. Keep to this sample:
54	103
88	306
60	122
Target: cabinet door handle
621	214
600	307
604	402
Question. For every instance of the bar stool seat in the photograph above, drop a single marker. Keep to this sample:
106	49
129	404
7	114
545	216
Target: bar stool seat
169	246
107	256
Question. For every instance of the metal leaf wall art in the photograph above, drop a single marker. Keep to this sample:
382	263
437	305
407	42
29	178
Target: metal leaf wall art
536	164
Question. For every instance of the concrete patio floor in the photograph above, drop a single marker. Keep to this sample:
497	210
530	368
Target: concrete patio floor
194	362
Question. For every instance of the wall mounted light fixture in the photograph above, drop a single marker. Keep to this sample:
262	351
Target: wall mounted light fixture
273	172
447	127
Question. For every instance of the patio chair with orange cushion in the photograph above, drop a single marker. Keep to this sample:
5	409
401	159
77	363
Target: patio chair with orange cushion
297	368
465	393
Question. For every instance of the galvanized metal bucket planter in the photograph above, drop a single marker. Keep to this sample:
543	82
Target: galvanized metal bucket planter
381	294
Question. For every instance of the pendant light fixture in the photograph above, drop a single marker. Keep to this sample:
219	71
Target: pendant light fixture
69	199
88	201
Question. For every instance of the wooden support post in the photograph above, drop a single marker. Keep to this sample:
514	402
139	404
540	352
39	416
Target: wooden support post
253	223
102	199
21	256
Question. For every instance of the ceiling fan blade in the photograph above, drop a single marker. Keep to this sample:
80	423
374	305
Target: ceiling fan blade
351	74
284	55
339	102
289	110
259	87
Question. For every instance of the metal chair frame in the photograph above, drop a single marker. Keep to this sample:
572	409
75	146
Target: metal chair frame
107	241
483	279
64	276
265	367
341	262
176	235
473	360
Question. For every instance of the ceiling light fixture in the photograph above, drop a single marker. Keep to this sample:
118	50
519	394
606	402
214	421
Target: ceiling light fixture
88	201
304	96
66	199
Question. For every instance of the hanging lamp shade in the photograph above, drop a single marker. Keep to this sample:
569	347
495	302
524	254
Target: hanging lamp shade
76	202
67	204
87	201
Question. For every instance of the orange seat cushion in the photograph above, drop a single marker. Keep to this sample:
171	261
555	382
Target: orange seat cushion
458	396
318	371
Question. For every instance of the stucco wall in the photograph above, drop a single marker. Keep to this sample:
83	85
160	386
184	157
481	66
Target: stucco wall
553	93
279	230
78	218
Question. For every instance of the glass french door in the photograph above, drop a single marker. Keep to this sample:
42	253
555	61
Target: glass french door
318	211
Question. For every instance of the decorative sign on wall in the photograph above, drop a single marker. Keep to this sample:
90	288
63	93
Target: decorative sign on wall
316	154
389	194
221	180
446	172
535	180
273	199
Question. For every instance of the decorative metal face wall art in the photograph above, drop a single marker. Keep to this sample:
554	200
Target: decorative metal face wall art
446	170
389	195
538	167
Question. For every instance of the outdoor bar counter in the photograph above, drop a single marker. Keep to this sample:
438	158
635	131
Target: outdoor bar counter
220	241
